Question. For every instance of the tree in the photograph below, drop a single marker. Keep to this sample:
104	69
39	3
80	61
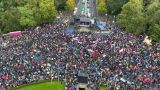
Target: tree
60	5
146	2
155	32
101	7
9	15
26	18
7	4
1	14
132	17
10	20
37	12
17	14
70	4
153	20
114	6
47	10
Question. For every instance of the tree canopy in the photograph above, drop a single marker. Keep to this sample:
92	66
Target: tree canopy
132	17
114	6
70	4
101	7
17	14
141	16
137	16
60	5
153	20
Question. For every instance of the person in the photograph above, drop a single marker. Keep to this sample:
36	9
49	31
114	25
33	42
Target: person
120	57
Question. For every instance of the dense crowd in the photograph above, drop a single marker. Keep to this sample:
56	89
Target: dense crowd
118	59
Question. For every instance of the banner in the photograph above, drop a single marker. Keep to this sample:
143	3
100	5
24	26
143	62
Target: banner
15	34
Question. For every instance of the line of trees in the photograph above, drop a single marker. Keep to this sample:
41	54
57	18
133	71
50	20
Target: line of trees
141	17
137	16
18	14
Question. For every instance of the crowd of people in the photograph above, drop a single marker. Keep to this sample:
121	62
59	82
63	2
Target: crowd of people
117	60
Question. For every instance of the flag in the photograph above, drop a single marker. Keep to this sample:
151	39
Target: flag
121	50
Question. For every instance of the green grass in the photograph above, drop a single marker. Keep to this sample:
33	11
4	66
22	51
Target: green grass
45	85
102	88
55	85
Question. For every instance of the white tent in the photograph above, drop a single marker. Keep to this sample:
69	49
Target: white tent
147	41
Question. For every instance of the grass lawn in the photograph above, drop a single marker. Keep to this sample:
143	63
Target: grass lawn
42	86
46	85
102	88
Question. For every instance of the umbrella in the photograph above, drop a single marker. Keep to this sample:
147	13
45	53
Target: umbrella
69	31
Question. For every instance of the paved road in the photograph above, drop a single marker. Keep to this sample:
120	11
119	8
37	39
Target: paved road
89	7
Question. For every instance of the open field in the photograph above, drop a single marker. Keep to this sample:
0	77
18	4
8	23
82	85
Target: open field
45	85
55	85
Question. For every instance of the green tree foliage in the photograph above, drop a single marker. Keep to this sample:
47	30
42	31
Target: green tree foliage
1	14
146	2
7	4
70	4
9	20
60	5
26	18
17	14
132	17
47	10
42	11
114	6
141	16
153	20
101	7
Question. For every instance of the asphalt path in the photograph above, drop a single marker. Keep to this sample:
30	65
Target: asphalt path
87	4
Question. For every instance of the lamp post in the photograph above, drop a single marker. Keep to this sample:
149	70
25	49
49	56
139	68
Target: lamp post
106	16
58	72
51	75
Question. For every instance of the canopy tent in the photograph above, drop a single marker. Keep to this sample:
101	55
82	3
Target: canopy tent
147	41
83	29
70	31
103	23
100	26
